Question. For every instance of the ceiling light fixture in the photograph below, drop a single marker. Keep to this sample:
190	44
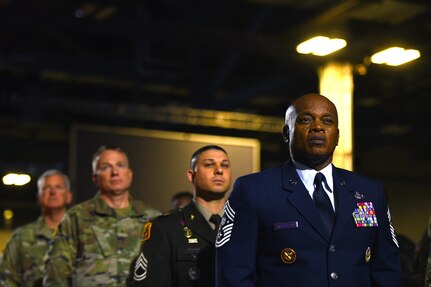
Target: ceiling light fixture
16	179
321	46
395	56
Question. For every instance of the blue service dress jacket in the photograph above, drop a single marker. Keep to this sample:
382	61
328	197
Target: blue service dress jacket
271	234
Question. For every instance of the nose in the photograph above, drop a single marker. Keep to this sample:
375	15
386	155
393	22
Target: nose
51	190
317	126
114	170
218	170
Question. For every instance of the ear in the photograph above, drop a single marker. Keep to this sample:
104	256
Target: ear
69	197
38	196
286	133
94	178
131	173
338	137
190	175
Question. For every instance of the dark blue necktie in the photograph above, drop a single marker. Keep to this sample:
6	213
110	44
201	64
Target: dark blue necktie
323	203
216	219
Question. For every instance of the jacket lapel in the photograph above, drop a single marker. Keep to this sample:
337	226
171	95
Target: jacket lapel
197	223
298	196
345	202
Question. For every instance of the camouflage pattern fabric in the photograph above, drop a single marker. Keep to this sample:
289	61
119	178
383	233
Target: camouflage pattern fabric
23	257
420	260
428	270
95	244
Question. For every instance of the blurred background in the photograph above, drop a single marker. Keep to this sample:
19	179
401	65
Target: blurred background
212	67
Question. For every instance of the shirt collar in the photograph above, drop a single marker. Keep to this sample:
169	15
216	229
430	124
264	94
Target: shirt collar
307	175
43	229
206	213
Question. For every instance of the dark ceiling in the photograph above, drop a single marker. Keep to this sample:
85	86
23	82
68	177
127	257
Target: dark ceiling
131	63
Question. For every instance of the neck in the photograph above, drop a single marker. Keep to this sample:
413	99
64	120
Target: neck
117	201
316	164
215	206
52	218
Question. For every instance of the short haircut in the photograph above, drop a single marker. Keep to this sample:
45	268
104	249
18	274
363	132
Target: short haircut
196	154
100	150
50	172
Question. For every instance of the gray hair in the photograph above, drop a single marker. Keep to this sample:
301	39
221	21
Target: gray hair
50	172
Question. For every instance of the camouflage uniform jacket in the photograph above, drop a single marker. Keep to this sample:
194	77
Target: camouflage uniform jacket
95	245
23	259
428	269
420	261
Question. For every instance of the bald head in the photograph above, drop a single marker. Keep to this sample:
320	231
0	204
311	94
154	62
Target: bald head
311	130
307	98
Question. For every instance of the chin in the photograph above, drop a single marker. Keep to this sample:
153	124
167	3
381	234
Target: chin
317	159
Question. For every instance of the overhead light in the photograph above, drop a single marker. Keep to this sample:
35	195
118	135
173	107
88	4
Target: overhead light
16	179
321	46
8	214
395	56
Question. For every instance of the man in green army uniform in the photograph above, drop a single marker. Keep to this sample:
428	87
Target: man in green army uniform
98	239
178	248
23	260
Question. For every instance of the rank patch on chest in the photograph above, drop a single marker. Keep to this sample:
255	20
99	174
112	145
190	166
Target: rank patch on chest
365	215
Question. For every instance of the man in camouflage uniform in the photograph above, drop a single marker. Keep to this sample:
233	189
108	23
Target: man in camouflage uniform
23	263
98	238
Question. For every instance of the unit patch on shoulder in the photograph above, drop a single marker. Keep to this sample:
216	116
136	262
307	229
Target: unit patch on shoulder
141	266
226	226
146	231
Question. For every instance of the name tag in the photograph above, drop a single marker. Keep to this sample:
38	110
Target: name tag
285	225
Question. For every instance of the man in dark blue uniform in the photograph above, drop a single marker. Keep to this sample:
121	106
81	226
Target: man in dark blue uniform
178	247
307	223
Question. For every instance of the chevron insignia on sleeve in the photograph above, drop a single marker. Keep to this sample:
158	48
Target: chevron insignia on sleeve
394	236
226	226
141	266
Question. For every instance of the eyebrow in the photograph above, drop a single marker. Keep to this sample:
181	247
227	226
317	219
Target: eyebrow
211	159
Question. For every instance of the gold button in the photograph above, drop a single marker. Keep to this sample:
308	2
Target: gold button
288	255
